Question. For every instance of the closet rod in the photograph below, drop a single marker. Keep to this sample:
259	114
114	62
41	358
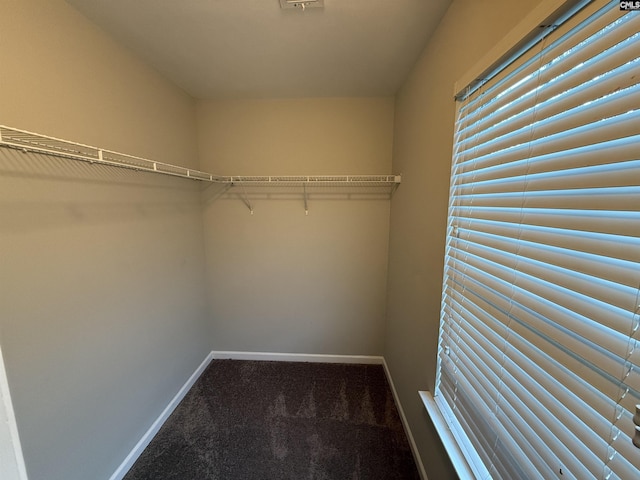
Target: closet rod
34	142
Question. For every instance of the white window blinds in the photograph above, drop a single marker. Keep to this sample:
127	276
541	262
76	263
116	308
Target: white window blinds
539	354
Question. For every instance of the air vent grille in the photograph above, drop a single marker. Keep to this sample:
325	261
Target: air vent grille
301	5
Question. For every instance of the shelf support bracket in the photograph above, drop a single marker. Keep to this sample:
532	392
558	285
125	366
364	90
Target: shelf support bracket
306	206
245	198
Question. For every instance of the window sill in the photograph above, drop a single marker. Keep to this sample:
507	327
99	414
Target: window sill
456	454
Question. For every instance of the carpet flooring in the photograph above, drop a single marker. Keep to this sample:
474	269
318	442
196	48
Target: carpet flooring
249	420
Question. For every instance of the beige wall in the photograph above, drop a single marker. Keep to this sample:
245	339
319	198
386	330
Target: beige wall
423	134
280	281
62	76
103	315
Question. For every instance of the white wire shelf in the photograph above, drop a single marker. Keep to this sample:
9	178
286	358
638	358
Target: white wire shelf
35	142
318	180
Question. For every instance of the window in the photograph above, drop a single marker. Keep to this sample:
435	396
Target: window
539	353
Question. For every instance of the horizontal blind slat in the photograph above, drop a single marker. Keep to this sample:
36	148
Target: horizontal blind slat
577	43
611	246
615	224
546	334
609	54
614	76
615	153
602	131
527	384
595	266
525	407
609	281
601	408
525	453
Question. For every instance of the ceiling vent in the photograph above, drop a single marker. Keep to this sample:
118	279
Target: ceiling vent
301	5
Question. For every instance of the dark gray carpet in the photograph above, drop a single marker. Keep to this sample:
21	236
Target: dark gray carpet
246	420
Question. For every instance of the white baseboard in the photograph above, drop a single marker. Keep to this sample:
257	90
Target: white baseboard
405	423
128	462
298	357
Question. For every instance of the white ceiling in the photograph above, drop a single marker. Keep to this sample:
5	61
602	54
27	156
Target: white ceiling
252	48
